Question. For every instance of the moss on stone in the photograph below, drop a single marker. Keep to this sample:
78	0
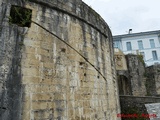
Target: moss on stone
140	58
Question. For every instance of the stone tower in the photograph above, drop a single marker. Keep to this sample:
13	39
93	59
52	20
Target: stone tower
45	77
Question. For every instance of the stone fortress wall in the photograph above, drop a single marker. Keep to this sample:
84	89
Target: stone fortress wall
43	78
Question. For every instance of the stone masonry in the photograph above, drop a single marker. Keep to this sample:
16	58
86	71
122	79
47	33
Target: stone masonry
42	78
131	74
144	107
153	80
136	71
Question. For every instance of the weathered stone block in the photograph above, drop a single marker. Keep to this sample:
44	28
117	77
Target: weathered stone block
39	105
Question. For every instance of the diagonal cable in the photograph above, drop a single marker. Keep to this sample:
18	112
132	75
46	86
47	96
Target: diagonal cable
72	48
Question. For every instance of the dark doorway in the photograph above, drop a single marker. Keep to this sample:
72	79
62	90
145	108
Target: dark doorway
124	86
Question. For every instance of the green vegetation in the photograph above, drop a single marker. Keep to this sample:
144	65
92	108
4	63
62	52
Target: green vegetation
20	16
140	58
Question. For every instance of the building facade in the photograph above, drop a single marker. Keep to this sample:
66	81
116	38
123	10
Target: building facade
144	43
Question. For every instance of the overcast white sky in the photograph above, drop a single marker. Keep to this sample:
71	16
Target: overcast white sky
122	15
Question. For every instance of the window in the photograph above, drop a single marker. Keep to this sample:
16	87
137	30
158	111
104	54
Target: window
143	54
152	44
154	54
140	45
129	47
117	44
20	16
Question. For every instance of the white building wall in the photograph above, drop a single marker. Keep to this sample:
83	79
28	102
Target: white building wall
146	45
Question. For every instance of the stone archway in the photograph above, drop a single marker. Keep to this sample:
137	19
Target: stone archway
124	86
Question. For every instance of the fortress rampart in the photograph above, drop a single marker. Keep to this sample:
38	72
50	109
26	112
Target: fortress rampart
41	77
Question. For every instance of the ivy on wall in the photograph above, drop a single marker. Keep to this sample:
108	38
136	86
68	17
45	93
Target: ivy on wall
20	16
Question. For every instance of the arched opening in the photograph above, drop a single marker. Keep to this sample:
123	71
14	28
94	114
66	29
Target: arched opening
124	86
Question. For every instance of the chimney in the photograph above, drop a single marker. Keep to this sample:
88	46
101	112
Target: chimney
130	31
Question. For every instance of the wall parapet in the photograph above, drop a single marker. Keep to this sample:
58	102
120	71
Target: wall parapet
142	97
138	100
